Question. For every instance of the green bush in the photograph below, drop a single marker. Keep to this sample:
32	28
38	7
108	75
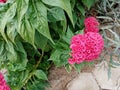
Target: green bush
36	33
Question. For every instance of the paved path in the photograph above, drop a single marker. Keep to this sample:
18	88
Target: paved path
97	79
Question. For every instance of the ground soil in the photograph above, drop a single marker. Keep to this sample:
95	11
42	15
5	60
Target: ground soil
59	77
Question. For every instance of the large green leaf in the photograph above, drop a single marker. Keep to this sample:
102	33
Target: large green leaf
10	13
42	23
55	14
22	6
24	28
16	55
40	74
27	32
64	4
11	30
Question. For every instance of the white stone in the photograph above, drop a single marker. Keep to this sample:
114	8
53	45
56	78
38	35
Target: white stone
84	81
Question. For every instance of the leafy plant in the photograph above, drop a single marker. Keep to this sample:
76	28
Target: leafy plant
108	14
30	30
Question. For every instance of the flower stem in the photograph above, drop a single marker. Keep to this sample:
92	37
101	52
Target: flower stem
36	66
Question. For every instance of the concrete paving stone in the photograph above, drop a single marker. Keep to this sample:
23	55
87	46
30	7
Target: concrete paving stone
84	81
101	76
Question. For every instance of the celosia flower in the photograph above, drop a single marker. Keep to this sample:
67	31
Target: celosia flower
78	49
71	61
91	25
94	45
85	47
3	84
3	1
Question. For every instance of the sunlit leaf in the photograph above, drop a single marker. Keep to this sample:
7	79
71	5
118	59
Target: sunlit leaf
10	13
40	74
42	23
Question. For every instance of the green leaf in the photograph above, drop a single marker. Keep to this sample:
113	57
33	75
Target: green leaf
11	31
40	40
56	14
27	32
11	53
2	51
9	15
68	68
114	63
109	73
16	55
42	23
24	28
88	3
22	7
60	57
37	85
81	9
64	4
80	31
68	35
40	74
78	67
73	2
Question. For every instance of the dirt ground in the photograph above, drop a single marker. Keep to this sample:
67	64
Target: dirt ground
59	77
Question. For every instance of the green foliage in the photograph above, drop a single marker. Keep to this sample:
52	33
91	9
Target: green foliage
88	3
34	34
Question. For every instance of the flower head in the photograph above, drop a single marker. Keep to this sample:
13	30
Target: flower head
85	47
3	84
78	49
91	25
3	1
94	45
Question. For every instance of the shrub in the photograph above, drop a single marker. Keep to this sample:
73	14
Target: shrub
35	33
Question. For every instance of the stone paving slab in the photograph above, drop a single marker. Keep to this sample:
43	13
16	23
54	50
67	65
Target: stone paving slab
84	81
101	76
94	80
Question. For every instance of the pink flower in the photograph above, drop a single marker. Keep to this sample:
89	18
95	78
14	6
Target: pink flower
94	45
78	49
71	61
91	25
77	43
3	84
85	47
3	1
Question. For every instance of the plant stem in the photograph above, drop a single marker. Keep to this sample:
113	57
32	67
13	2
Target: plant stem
36	66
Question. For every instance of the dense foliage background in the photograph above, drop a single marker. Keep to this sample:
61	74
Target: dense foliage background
34	34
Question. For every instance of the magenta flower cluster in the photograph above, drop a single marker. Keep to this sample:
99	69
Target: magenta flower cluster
3	1
3	84
91	25
86	47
